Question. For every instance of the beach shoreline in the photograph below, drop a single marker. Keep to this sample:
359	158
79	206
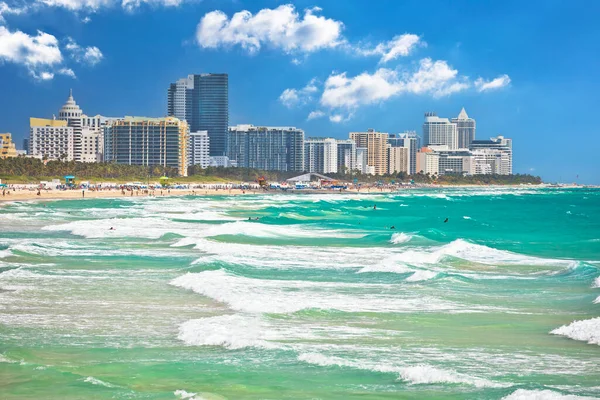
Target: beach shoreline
113	193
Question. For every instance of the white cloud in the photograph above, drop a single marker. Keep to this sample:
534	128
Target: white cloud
500	82
36	53
281	28
433	78
66	72
315	114
95	5
337	118
90	55
400	45
5	9
294	97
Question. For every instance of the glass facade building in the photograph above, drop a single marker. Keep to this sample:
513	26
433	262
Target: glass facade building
266	147
203	101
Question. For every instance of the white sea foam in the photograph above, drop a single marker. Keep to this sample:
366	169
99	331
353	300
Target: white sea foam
596	283
237	331
597	301
523	394
4	359
5	253
467	217
288	296
415	375
95	381
587	330
271	231
400	237
421	276
425	374
460	248
182	394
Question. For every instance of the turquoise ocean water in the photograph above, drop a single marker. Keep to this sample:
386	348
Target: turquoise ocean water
318	299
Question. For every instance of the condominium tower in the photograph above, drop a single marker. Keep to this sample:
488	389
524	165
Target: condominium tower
321	155
147	141
409	140
7	146
203	101
465	129
439	131
376	144
268	148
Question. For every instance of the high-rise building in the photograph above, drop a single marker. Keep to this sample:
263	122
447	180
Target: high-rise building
7	146
88	139
198	149
321	155
398	159
441	160
267	148
409	140
51	139
465	129
492	156
361	161
203	101
376	144
346	156
439	131
26	145
147	141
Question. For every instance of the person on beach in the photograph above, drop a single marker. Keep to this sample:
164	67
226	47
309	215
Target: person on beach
83	193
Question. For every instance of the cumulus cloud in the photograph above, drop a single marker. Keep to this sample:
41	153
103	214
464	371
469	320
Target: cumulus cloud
280	28
37	53
434	78
90	55
294	97
399	46
66	72
315	114
5	9
500	82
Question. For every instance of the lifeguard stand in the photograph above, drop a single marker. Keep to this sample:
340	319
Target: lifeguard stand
70	181
164	181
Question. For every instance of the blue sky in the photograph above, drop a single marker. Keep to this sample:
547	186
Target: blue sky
527	70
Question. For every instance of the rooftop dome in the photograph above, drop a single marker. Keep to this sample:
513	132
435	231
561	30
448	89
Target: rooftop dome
70	109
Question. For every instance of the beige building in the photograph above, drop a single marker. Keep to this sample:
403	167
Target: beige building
398	160
151	142
376	144
7	146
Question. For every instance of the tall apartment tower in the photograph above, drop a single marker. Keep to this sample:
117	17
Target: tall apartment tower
148	142
439	131
409	140
270	148
203	101
321	155
465	128
376	144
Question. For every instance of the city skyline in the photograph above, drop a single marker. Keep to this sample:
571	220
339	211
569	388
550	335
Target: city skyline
274	82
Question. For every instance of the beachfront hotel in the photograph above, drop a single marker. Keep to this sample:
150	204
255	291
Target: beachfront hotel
269	148
321	155
493	156
465	129
7	146
51	139
398	159
198	152
148	141
202	100
88	132
409	140
439	131
376	144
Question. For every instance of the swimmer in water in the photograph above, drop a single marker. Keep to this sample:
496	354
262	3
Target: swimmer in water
111	229
446	220
392	227
374	206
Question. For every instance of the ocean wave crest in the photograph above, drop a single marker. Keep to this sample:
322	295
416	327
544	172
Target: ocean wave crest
587	330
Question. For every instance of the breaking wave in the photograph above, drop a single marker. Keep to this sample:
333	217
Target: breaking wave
523	394
587	330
